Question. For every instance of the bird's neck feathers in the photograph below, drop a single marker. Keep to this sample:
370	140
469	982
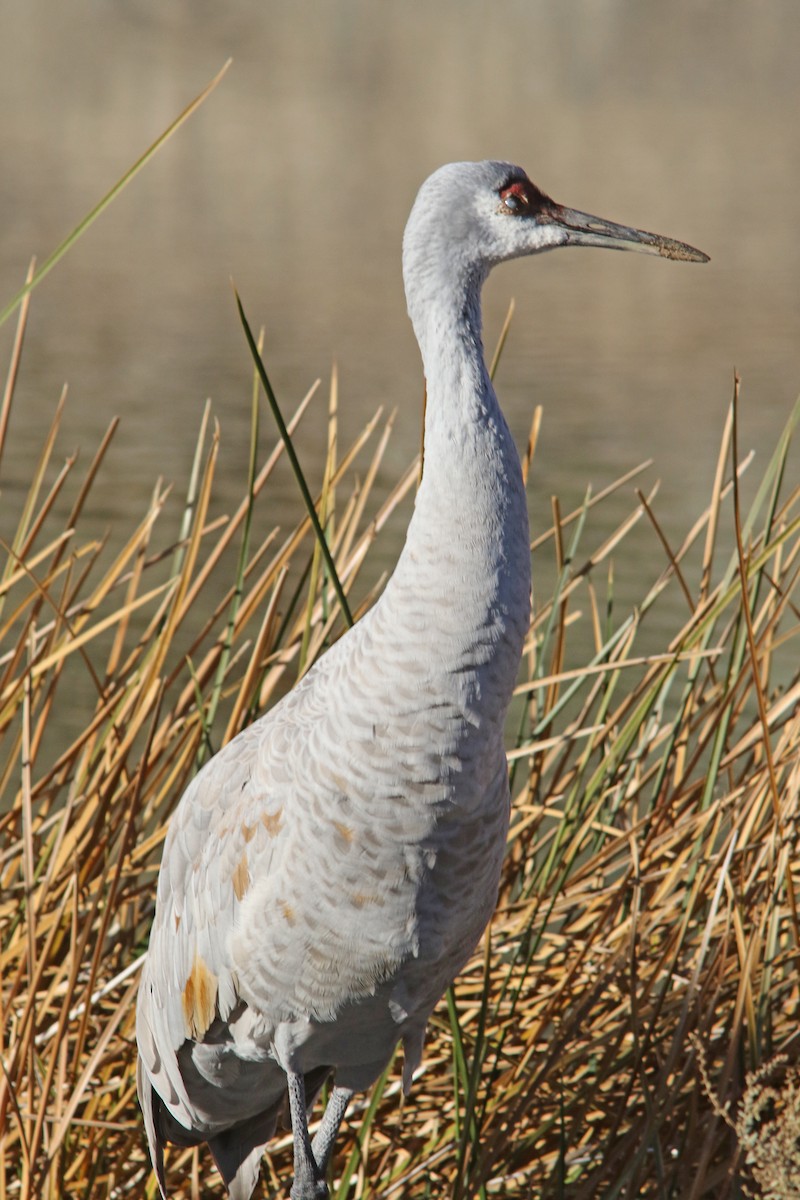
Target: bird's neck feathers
467	443
465	568
472	498
443	284
462	584
443	291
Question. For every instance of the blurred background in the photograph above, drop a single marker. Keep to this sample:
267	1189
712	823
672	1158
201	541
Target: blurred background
296	177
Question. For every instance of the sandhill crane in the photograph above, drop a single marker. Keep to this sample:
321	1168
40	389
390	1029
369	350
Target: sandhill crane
329	872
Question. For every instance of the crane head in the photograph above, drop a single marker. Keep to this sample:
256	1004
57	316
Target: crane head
492	211
468	217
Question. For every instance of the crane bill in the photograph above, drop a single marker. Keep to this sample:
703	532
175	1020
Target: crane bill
582	229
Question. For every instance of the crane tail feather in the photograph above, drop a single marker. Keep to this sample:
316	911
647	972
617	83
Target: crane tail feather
238	1151
150	1104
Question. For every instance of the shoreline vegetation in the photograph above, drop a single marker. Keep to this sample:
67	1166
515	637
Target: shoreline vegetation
628	1026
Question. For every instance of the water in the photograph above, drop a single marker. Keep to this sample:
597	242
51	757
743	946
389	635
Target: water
296	178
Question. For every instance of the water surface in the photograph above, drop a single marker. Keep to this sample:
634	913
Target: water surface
296	178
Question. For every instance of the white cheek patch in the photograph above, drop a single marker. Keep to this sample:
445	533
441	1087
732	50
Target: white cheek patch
517	237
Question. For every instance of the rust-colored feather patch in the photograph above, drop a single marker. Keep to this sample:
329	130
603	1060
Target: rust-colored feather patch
199	999
344	832
241	877
362	899
272	821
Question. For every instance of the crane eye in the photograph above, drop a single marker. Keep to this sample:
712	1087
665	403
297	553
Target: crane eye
515	199
521	198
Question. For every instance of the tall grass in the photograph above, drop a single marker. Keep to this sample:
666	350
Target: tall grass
628	1026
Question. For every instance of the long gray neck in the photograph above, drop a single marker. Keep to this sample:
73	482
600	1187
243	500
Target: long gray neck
461	589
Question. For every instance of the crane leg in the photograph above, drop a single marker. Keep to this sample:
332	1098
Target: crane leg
309	1182
325	1136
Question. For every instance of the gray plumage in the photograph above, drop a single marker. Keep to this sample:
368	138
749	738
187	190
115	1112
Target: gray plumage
330	871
